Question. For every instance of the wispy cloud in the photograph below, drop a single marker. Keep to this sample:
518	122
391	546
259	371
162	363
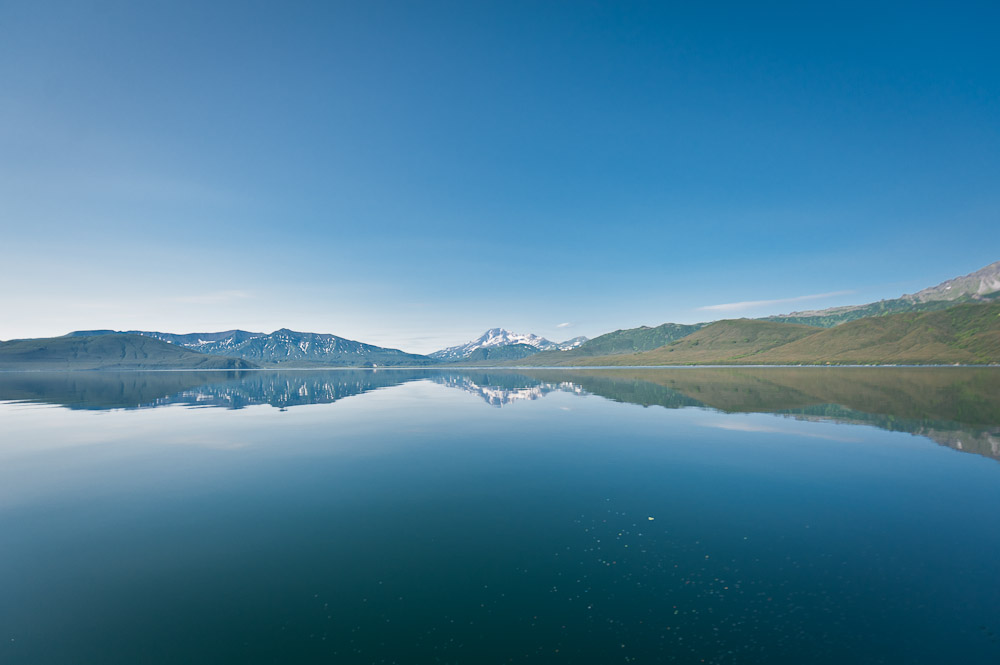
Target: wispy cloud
751	304
211	298
564	325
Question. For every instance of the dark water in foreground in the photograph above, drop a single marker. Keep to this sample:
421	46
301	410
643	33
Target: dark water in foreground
763	516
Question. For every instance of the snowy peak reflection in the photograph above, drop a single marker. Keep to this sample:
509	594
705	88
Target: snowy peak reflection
237	390
501	390
286	390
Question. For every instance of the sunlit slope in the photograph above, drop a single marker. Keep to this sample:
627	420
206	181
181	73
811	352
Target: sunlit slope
115	351
626	341
720	342
961	334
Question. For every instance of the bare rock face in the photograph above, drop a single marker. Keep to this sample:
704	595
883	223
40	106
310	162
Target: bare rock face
982	285
975	285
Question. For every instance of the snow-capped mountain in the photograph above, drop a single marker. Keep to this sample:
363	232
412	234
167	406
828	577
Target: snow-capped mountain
284	346
496	337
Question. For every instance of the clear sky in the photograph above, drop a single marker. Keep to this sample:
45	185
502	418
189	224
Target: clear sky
411	173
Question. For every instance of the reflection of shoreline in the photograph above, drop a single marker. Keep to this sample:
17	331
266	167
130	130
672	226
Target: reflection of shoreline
984	442
957	408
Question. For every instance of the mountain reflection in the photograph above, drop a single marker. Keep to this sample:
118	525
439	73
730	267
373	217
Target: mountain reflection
956	407
503	389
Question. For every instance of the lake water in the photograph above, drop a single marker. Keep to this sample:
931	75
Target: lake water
804	515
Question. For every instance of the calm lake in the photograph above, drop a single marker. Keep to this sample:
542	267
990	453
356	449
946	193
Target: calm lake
800	515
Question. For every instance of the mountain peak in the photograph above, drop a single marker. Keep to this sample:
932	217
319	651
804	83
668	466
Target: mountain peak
495	337
974	285
982	285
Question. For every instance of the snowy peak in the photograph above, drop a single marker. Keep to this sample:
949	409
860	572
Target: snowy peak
503	337
496	337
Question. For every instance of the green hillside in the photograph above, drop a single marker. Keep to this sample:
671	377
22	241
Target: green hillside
115	351
627	341
734	340
838	315
965	334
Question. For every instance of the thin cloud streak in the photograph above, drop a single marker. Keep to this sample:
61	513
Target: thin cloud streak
750	304
564	325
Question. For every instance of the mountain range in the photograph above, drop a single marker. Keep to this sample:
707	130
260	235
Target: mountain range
284	346
957	321
116	351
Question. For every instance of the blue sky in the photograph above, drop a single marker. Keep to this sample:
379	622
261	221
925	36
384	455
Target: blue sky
410	174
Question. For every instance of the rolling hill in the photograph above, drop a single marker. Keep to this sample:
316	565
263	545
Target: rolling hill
626	341
964	334
107	351
727	341
285	347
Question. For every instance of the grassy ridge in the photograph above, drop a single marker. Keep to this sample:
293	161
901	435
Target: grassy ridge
838	315
719	342
960	334
626	341
115	351
966	334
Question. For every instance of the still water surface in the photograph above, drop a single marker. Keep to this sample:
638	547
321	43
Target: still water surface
646	516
